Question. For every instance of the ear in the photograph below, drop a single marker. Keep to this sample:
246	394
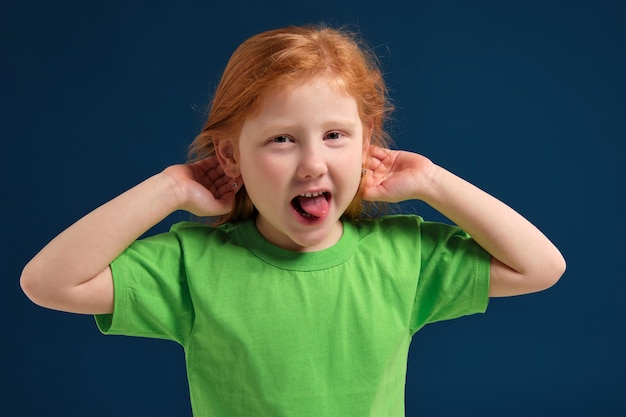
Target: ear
367	140
226	153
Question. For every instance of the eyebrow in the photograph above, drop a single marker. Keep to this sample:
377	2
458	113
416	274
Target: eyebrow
330	125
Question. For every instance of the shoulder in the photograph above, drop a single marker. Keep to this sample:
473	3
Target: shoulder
409	229
400	232
393	221
191	230
194	236
391	226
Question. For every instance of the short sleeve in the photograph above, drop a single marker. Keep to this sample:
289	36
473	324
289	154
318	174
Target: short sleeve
454	275
151	293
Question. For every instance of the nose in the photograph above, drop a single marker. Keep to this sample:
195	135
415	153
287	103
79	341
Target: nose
312	163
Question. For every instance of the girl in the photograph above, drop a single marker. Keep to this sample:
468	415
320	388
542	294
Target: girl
297	303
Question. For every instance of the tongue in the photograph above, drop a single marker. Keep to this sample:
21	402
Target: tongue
316	206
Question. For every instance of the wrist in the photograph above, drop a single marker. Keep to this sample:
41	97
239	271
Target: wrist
166	192
428	182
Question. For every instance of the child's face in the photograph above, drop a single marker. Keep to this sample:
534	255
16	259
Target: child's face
300	159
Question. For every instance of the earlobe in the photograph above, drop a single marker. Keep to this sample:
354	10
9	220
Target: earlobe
227	157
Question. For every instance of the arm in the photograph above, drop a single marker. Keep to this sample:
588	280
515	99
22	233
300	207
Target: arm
523	259
72	272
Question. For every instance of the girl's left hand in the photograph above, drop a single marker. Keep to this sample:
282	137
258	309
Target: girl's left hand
394	176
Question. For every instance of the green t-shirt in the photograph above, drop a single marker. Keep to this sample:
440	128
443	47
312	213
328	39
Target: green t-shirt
269	332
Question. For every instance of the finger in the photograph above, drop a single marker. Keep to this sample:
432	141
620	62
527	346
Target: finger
210	167
379	153
216	173
206	164
222	181
225	188
377	156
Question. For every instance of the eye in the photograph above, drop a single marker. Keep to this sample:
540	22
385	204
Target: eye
280	139
333	135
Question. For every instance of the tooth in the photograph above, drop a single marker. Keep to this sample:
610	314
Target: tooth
316	194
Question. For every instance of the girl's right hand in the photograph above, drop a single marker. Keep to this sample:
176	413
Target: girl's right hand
202	188
72	273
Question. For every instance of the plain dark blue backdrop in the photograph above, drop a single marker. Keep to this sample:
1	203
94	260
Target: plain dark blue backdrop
526	99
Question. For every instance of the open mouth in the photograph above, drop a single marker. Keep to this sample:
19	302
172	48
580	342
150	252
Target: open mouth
312	205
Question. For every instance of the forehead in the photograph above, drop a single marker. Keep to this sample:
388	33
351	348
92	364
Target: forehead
321	91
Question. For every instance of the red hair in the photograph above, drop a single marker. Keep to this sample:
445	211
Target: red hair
278	57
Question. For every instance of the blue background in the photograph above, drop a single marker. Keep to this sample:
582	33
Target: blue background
526	99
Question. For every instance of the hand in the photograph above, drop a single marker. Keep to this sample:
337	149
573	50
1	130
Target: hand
202	187
395	176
